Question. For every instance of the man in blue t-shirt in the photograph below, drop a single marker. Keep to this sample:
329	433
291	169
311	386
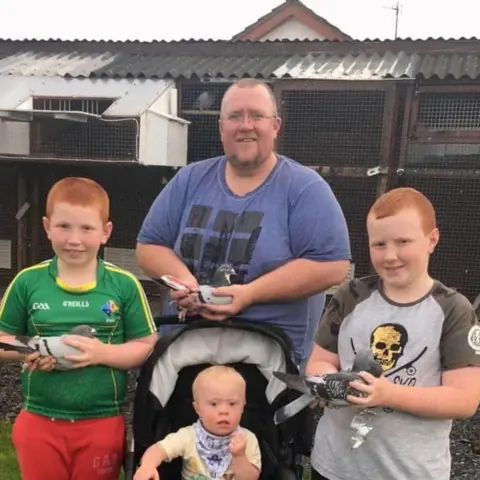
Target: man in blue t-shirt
275	221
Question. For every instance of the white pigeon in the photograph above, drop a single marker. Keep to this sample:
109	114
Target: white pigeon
49	346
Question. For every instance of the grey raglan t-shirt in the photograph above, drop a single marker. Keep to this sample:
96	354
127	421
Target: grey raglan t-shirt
414	343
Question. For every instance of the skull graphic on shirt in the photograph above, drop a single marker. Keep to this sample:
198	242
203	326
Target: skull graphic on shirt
388	343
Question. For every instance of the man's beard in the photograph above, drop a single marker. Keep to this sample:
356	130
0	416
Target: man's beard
245	165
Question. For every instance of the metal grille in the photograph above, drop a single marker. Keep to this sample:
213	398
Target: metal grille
443	156
203	137
333	127
455	261
356	196
200	104
8	223
131	189
442	160
88	105
94	140
449	111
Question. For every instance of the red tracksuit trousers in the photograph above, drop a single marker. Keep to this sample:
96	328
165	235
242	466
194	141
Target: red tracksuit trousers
52	449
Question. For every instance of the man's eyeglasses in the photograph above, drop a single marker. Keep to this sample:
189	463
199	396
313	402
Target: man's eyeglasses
251	117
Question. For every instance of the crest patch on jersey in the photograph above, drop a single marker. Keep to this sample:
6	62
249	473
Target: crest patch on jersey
109	308
474	338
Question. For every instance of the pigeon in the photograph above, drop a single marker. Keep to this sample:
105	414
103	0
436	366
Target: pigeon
49	346
330	387
204	101
221	278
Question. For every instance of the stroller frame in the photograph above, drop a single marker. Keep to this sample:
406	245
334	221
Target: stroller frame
280	445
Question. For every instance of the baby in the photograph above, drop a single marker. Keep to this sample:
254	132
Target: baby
215	447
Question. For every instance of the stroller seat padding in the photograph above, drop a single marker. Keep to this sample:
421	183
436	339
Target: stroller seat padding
218	346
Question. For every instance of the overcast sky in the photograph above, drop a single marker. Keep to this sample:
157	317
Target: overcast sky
221	19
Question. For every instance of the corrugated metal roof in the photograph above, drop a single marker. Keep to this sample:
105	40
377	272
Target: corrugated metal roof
377	66
125	65
276	59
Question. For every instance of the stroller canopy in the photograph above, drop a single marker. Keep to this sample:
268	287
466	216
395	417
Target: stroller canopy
218	345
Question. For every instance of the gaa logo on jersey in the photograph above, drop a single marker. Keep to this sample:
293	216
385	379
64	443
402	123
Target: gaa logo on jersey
109	309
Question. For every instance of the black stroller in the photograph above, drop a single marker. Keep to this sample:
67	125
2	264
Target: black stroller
163	399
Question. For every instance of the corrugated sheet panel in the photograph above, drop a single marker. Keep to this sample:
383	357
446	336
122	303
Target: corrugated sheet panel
124	65
377	66
311	60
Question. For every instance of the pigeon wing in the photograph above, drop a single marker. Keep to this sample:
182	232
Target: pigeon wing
295	382
333	387
291	409
16	346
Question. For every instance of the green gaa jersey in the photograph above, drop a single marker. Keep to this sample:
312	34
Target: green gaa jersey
37	302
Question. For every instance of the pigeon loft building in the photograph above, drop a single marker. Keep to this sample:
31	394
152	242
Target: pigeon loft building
367	116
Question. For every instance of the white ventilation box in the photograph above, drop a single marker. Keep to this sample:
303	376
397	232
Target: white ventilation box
161	136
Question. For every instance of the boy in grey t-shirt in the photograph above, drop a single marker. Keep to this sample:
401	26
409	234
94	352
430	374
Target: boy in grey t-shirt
427	339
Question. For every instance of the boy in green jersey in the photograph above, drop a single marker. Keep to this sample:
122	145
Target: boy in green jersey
71	425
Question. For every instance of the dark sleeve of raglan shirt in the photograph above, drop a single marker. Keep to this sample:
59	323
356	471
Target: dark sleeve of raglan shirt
328	328
342	304
460	341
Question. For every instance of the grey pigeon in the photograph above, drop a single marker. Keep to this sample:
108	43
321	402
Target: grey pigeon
49	346
204	101
330	387
221	278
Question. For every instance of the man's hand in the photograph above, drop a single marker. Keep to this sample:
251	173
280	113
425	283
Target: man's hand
187	301
377	390
238	444
35	361
241	299
92	350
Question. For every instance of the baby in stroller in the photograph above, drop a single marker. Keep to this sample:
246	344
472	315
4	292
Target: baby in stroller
164	403
215	446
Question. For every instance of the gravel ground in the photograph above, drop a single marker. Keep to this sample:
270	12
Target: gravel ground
465	439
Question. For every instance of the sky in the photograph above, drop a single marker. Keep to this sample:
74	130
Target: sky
148	20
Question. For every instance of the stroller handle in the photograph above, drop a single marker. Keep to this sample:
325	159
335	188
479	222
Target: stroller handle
173	320
161	320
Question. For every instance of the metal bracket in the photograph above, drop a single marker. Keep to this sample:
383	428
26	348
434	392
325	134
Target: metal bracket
371	172
22	211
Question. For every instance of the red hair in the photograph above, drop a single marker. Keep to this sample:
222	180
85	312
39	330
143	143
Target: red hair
400	199
79	191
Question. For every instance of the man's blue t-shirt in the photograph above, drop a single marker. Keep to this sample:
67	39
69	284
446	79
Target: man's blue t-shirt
293	214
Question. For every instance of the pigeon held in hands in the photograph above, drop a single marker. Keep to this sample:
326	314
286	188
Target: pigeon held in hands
333	388
49	346
221	278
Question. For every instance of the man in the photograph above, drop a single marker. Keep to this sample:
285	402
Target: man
275	221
